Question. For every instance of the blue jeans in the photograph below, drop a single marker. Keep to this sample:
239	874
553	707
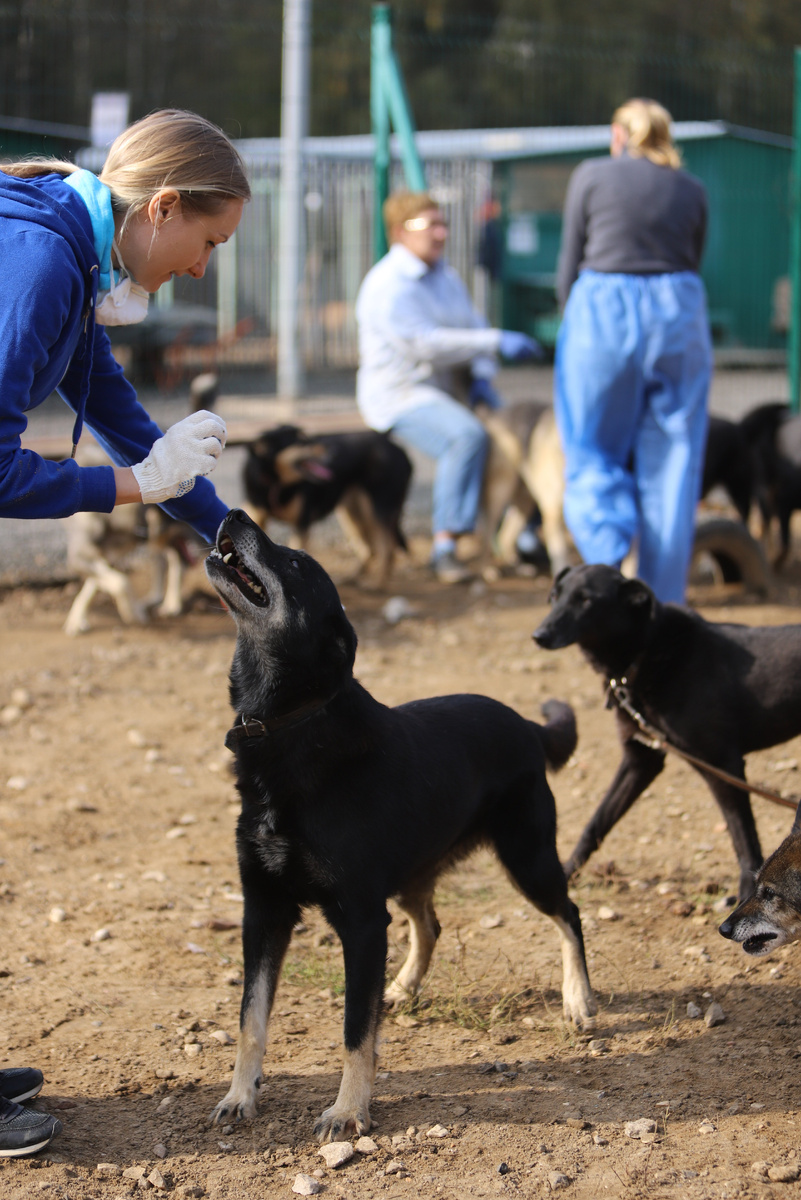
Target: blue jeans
633	367
447	431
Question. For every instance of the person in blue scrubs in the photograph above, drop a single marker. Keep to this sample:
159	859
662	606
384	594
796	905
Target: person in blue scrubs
634	355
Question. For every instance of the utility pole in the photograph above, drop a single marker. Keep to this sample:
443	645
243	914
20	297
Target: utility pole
294	128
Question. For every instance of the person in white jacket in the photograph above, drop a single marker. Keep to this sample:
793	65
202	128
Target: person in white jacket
416	324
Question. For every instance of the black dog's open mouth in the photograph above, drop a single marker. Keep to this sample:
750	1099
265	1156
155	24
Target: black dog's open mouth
238	573
758	943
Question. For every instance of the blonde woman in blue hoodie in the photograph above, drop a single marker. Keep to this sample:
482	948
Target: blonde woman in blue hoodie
80	252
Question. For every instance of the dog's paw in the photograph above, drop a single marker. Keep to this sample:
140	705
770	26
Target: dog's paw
396	995
234	1107
581	1010
340	1124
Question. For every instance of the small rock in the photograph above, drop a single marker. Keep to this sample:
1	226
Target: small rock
693	1011
557	1180
306	1185
154	876
192	1049
165	1073
597	1047
706	1127
143	1184
635	1129
56	916
156	1179
22	698
491	921
133	1173
783	1173
224	1038
189	1190
576	1123
405	1021
394	1167
760	1169
437	1131
77	805
177	832
136	738
101	935
108	1169
160	1150
336	1154
17	783
605	913
502	1168
714	1015
396	608
365	1145
10	714
699	952
600	1140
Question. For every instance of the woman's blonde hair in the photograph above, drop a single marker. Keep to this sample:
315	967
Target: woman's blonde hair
647	125
169	148
403	206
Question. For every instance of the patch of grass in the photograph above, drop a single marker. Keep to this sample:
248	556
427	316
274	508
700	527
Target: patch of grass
314	972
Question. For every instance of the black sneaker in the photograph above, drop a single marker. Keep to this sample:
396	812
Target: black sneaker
23	1130
448	569
20	1083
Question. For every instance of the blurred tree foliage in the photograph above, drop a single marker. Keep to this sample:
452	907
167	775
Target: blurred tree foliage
467	63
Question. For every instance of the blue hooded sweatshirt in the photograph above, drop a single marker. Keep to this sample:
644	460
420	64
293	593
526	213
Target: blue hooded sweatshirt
49	342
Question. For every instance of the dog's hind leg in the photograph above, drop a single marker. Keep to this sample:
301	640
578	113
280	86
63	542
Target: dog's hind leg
424	929
78	617
265	937
364	946
639	767
735	805
524	836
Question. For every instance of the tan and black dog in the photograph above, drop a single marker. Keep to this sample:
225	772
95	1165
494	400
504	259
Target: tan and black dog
362	476
772	916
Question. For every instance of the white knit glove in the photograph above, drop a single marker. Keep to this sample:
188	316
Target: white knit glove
188	449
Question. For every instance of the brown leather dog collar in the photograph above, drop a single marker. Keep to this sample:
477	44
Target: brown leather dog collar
245	727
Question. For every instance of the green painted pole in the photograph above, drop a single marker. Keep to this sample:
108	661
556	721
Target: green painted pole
794	340
389	103
380	43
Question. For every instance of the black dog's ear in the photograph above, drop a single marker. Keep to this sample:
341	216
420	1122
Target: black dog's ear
796	826
558	579
636	594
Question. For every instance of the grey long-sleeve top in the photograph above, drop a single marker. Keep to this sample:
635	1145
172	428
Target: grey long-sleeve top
631	216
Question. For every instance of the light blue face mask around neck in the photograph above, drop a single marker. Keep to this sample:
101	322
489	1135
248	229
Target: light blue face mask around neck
119	301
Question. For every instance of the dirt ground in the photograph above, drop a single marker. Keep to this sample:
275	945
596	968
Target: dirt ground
121	963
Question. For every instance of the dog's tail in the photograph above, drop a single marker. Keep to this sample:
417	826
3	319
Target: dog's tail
559	734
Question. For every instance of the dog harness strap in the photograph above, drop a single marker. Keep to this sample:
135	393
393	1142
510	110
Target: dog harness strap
618	692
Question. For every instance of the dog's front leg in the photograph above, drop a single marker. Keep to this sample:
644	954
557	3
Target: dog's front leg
639	767
265	940
736	808
364	946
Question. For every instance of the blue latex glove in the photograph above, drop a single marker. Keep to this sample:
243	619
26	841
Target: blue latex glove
518	347
482	392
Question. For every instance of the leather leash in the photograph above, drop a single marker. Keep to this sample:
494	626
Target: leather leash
617	690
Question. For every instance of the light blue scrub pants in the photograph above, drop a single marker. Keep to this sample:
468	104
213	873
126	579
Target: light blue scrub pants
447	431
633	367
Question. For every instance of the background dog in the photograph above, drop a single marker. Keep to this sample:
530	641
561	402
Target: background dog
103	548
364	477
772	916
716	691
524	473
346	802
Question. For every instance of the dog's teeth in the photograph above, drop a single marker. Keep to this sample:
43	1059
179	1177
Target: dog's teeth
227	557
257	588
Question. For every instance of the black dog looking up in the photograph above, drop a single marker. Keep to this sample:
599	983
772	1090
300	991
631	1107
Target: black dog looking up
717	691
346	802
